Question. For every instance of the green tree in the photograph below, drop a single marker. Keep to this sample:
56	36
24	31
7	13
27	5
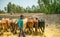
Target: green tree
28	9
9	7
5	9
1	11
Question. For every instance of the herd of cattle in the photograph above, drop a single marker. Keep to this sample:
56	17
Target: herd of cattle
29	25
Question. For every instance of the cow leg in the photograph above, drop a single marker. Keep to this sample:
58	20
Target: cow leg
36	29
6	27
36	26
12	27
30	31
43	27
40	29
0	27
15	29
3	27
25	27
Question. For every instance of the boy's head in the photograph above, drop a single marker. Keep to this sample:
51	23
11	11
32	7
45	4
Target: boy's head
21	16
36	18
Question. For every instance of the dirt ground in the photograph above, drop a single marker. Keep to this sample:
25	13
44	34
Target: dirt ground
50	31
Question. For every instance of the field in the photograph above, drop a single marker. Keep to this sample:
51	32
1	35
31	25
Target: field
52	30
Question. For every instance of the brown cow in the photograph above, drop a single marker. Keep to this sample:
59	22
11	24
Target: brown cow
14	25
30	23
36	24
25	22
8	22
4	25
0	26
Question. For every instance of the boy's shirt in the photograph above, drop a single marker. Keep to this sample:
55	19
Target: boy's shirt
20	24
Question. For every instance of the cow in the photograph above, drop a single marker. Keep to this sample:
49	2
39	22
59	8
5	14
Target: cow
36	24
3	24
41	25
8	22
25	23
29	25
0	26
14	26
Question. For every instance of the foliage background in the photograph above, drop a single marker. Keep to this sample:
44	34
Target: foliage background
44	6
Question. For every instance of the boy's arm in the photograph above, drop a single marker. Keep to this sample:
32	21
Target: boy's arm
18	23
23	25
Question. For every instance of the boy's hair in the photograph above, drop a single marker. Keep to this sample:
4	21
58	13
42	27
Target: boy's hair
21	16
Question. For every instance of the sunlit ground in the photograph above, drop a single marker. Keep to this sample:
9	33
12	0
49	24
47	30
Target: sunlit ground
50	31
53	31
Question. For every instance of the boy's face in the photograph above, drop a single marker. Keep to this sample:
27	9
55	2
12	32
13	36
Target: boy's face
22	17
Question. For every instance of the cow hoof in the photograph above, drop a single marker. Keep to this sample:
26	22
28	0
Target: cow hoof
1	33
14	32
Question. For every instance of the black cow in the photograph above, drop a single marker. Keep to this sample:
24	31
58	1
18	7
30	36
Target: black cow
41	25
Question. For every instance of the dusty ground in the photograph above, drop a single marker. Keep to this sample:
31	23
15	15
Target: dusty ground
50	31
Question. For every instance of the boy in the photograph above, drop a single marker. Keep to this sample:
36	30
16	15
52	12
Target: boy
21	26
